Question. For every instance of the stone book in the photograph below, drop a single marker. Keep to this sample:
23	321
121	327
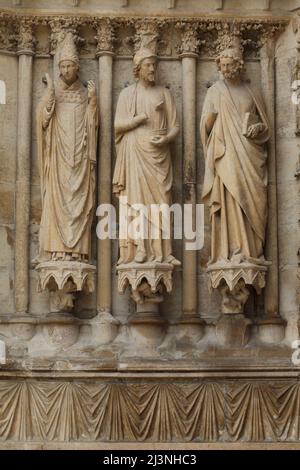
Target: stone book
249	120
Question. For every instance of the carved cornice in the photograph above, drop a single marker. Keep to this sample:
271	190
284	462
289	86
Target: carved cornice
197	35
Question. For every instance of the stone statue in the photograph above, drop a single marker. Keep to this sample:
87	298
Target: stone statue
67	141
67	124
234	129
145	125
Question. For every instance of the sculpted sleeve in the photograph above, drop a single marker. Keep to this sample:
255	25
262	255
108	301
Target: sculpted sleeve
172	118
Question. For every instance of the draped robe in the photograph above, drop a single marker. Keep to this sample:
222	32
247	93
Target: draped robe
67	140
235	181
143	172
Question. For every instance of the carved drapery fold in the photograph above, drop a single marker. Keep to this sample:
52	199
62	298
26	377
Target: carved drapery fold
223	411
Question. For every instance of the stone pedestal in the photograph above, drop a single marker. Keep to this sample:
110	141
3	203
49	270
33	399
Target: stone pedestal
64	280
233	330
231	274
147	282
271	329
231	279
190	329
104	328
147	330
154	274
61	331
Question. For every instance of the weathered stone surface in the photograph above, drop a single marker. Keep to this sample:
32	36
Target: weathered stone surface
6	290
7	207
194	387
8	119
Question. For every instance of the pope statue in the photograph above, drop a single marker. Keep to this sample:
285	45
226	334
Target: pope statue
67	140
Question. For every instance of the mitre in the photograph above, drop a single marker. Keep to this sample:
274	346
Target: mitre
142	54
68	50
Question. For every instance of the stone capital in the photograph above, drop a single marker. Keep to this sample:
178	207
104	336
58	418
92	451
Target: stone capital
147	33
105	37
60	26
190	42
26	39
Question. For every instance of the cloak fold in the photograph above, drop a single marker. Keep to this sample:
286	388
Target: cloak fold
67	139
235	175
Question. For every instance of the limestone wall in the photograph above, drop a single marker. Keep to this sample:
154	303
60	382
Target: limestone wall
169	74
287	184
194	378
8	145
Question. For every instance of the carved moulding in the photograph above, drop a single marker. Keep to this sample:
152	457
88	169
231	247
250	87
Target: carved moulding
150	30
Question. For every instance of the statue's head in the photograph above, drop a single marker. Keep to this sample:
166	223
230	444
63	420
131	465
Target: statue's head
145	64
68	71
230	63
69	60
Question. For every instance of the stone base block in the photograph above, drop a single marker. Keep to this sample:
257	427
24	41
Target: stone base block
271	330
190	329
233	330
147	332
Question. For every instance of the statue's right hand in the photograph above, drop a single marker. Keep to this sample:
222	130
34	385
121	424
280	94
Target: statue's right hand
49	81
50	92
140	119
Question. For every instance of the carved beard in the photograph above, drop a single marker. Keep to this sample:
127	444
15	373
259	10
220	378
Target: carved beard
148	77
232	74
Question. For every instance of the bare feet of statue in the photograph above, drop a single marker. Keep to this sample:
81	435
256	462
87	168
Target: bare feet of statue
140	256
172	260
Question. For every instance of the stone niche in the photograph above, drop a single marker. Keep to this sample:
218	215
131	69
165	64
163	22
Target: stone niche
187	369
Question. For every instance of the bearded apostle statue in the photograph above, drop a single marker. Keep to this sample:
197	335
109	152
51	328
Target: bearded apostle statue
234	130
67	124
145	125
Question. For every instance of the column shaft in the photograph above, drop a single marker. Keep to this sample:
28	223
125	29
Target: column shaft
271	247
189	68
104	178
23	183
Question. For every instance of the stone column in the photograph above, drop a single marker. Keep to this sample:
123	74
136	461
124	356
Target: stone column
272	325
25	52
190	320
105	40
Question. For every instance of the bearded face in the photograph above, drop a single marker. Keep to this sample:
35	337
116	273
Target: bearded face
229	67
147	70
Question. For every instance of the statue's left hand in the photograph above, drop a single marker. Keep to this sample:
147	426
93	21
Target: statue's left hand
91	89
255	130
160	141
